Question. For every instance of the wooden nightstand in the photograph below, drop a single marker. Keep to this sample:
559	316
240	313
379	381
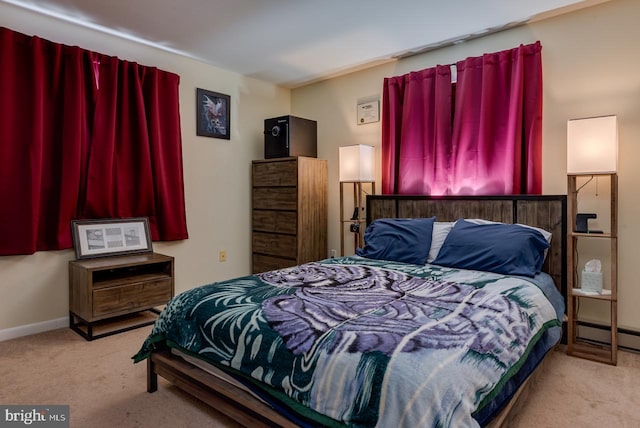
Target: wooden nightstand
116	294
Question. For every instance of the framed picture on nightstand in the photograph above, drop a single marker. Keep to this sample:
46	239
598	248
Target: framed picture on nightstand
111	237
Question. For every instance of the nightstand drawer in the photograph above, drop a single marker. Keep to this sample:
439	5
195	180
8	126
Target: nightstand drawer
270	243
127	298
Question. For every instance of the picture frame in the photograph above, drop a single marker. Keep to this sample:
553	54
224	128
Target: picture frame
368	112
111	237
213	114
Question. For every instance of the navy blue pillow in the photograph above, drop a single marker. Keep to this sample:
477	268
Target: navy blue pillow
398	239
502	248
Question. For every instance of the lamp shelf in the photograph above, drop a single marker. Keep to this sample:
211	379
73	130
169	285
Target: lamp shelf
576	346
589	174
593	235
358	237
593	352
605	295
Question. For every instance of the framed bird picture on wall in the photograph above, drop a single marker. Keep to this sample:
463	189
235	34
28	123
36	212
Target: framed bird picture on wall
213	114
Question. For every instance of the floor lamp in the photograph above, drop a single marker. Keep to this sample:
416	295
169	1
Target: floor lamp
357	166
592	152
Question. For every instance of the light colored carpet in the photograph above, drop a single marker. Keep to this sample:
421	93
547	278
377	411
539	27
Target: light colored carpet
105	389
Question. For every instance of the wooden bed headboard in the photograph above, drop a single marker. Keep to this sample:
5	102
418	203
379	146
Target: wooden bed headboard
546	212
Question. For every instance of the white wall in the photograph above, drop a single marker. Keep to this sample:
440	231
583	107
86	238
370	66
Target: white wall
590	67
217	175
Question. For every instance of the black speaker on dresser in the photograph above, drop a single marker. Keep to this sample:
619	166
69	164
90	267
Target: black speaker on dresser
286	136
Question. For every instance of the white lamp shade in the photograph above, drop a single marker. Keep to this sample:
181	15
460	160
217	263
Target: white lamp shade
357	163
592	145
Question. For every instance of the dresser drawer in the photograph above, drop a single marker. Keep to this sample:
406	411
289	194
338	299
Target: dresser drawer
262	263
131	297
275	173
275	198
275	221
274	244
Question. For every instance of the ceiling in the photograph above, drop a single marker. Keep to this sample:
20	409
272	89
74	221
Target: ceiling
294	42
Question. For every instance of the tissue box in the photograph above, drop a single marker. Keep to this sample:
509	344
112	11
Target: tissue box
591	281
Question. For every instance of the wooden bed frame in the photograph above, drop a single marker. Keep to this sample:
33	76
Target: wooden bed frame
547	212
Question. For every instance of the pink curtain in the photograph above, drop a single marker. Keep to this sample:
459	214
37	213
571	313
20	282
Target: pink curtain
84	136
416	132
497	131
492	142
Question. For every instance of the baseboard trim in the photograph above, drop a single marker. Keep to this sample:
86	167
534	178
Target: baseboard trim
627	339
39	327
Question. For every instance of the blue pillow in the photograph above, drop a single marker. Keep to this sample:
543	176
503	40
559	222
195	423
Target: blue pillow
398	239
502	248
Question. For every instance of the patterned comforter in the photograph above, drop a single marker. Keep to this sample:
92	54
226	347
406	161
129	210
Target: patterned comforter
367	342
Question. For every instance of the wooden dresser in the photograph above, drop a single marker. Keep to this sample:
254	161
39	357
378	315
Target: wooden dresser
289	212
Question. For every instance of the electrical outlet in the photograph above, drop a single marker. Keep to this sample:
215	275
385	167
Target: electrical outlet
333	254
222	256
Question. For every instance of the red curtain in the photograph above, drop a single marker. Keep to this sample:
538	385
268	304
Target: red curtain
44	118
416	132
81	136
135	163
160	90
493	144
497	131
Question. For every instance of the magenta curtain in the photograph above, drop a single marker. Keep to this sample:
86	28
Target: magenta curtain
84	136
492	142
416	132
497	131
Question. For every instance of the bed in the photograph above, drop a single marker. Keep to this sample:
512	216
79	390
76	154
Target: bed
381	338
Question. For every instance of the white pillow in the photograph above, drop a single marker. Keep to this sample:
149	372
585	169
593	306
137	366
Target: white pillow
440	231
